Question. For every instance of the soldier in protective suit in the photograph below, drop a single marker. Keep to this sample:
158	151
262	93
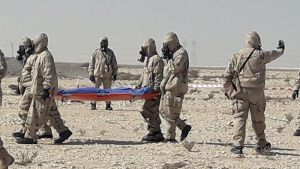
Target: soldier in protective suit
5	158
43	88
244	82
3	72
103	68
174	86
27	50
294	96
151	76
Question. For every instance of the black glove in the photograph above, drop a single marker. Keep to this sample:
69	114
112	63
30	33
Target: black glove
29	51
295	94
167	54
18	92
280	44
45	94
114	77
226	94
92	79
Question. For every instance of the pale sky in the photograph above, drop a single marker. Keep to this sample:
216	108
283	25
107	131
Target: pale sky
217	27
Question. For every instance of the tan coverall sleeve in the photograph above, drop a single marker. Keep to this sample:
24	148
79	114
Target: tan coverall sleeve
26	74
178	63
49	73
139	84
157	65
228	74
114	64
272	55
92	64
297	84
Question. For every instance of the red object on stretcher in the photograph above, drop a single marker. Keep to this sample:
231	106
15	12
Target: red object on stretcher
104	96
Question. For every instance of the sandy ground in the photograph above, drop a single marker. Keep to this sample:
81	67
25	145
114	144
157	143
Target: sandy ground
112	139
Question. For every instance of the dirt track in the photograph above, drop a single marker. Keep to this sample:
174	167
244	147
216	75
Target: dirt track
111	139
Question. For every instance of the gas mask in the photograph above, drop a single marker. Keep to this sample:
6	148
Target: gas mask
20	52
104	45
142	55
30	49
167	54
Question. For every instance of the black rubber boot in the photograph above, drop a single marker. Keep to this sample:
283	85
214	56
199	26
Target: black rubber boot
108	107
156	136
185	131
297	133
237	150
18	135
63	136
45	136
93	106
26	141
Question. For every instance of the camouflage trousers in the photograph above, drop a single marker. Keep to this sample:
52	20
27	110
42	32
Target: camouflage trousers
170	107
39	113
254	100
24	106
5	158
106	85
151	115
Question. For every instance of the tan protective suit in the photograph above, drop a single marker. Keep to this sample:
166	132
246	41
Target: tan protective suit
5	158
250	84
174	85
152	76
26	100
3	72
103	66
44	76
26	42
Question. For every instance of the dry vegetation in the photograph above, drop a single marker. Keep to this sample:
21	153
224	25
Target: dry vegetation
112	139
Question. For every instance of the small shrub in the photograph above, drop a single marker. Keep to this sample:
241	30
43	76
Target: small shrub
26	158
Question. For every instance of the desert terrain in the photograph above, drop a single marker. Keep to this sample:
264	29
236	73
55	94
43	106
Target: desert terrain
112	139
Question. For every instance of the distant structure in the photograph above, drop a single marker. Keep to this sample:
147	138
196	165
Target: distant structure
194	54
12	49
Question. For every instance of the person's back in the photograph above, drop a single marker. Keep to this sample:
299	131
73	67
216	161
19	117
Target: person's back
244	82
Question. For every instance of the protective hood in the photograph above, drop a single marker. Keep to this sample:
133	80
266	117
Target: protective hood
172	41
253	40
150	47
104	38
26	42
40	42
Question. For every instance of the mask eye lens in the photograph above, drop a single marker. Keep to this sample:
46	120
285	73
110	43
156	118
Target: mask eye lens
142	51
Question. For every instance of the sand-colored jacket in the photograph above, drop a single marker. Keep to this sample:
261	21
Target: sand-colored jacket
253	75
176	73
152	74
103	64
26	77
3	66
44	75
